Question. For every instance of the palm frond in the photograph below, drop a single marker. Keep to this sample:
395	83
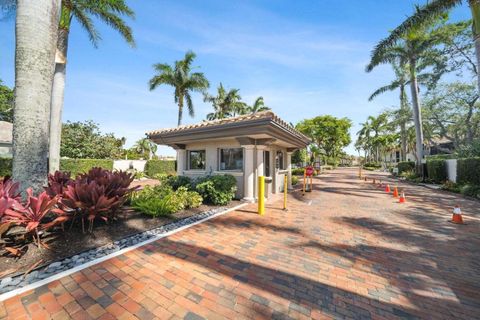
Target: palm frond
191	111
86	22
391	87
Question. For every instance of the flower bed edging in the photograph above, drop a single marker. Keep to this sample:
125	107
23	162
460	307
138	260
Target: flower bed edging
12	286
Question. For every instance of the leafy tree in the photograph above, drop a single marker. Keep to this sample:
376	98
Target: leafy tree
146	148
36	28
330	134
86	13
417	49
183	80
84	140
431	11
225	103
6	103
374	137
299	156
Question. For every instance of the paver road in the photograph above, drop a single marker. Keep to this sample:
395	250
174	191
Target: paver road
346	250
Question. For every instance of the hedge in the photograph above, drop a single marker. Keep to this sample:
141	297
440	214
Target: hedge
437	170
76	166
153	167
468	171
405	166
5	167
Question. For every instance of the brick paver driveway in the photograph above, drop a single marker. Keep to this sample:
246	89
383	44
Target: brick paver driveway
347	250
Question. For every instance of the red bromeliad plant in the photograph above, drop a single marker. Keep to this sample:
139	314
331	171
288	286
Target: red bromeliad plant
57	183
89	200
10	190
32	214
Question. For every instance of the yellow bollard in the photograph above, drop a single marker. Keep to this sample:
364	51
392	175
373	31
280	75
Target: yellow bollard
311	183
360	172
285	187
261	195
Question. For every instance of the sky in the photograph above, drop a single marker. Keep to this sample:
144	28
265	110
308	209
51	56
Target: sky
306	58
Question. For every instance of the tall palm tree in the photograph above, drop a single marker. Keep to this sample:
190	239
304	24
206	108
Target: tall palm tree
84	11
258	106
180	77
429	12
417	50
36	29
225	103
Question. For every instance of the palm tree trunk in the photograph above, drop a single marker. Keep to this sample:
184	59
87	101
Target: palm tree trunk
58	93
36	30
403	129
417	115
180	109
475	9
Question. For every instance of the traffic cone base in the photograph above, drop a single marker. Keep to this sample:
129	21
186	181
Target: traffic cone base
457	219
402	198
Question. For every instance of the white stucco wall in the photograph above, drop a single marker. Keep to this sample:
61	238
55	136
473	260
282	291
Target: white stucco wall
212	166
452	169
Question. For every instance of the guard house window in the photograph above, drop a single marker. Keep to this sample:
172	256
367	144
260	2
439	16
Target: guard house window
196	160
231	159
279	163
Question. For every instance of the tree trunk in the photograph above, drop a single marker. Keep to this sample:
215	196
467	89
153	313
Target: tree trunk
58	93
36	37
403	129
417	116
180	109
475	9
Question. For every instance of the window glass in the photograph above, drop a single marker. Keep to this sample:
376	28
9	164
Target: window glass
196	160
231	159
279	160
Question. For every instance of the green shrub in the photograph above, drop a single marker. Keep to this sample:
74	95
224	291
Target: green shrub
179	181
451	186
370	168
471	190
77	166
163	200
5	167
154	166
375	165
405	166
297	172
468	171
295	180
217	190
437	170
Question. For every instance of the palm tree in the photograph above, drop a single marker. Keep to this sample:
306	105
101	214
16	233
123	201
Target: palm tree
146	146
429	12
36	29
225	103
180	77
84	11
258	106
415	49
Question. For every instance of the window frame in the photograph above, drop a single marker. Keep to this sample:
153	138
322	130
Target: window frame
189	163
219	154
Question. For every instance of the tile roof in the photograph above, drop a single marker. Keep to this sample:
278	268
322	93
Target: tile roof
239	119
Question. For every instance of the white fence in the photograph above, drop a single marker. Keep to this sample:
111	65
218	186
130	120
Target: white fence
138	165
451	169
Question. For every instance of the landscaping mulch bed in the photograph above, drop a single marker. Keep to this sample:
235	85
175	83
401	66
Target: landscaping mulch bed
72	242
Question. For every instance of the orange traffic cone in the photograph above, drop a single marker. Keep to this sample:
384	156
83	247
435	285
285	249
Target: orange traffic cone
402	198
457	215
395	192
387	189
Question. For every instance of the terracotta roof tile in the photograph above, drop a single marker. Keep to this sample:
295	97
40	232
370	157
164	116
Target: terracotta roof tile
219	122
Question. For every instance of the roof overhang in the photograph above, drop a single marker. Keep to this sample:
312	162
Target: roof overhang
262	126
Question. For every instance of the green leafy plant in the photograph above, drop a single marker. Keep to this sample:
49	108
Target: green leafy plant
295	180
154	167
471	190
179	181
437	170
405	166
218	190
468	171
451	186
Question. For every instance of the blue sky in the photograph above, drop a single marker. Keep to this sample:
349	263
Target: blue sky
306	58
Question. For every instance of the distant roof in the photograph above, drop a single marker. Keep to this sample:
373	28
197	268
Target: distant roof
6	129
264	115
